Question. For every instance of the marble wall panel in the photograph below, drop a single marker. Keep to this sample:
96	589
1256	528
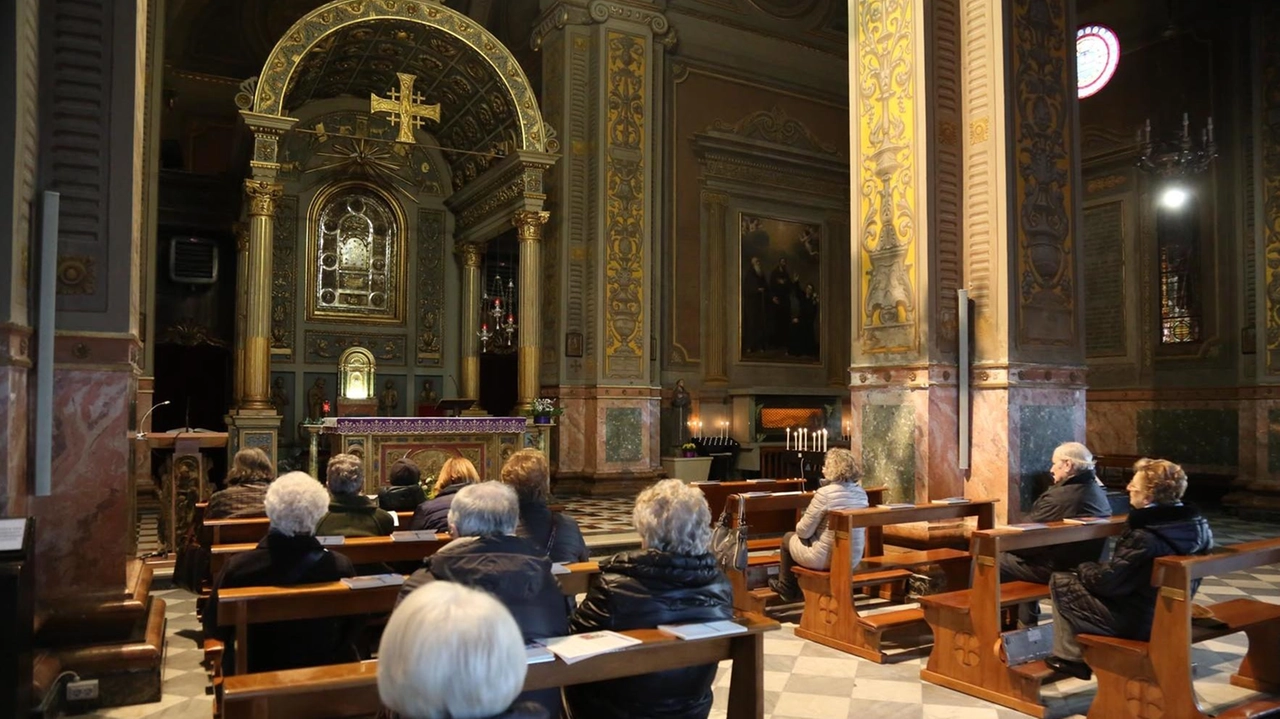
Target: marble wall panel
992	465
889	449
1112	427
624	434
1191	436
1273	441
13	428
571	433
88	519
938	453
1041	428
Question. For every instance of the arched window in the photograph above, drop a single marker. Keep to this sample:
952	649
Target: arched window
355	244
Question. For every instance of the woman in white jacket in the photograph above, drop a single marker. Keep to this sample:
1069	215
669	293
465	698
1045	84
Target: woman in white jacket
810	545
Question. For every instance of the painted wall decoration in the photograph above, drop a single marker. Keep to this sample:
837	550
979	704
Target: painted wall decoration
781	269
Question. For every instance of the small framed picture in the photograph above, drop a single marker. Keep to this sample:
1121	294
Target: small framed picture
573	344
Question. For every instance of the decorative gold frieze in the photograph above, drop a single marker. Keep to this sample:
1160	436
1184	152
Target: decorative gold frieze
326	347
284	275
625	188
1269	151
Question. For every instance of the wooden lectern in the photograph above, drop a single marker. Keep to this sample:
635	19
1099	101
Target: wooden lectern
184	479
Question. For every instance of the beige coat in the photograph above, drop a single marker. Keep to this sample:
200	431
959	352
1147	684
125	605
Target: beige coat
811	545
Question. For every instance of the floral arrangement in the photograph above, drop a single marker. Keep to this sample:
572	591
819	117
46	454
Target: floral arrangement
689	449
546	407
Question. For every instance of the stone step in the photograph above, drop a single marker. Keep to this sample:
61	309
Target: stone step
98	619
128	672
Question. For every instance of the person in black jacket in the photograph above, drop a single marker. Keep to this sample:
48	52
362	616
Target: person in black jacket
433	514
487	555
672	579
405	492
451	652
351	514
1076	492
288	555
1115	598
556	534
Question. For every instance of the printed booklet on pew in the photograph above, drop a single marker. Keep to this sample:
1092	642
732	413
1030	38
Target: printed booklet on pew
950	500
1087	520
702	630
371	581
896	505
576	647
537	653
1027	526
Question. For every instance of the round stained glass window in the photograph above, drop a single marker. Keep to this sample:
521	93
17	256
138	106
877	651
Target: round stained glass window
1097	55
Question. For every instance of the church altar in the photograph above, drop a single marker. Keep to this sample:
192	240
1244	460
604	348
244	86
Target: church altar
430	441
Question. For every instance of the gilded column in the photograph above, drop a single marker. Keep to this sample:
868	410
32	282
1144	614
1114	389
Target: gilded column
715	204
469	256
242	287
263	196
529	230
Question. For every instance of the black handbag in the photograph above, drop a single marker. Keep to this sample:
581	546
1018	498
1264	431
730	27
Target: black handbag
729	544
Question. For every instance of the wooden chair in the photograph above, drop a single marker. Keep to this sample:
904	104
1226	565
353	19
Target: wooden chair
360	550
831	616
966	653
1154	678
351	690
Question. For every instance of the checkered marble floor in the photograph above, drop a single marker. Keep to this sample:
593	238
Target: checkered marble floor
603	515
803	680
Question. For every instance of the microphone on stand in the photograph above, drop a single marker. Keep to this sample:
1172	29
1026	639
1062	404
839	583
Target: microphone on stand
143	421
456	390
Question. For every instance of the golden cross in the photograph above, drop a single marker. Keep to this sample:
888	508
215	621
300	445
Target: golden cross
406	107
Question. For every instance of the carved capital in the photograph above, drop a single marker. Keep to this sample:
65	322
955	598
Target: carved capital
711	197
470	253
557	18
605	10
529	224
263	196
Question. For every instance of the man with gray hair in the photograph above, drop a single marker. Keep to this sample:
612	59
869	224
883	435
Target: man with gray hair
487	555
351	514
289	554
1075	492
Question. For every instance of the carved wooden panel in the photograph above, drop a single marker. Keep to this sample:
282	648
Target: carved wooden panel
431	300
284	280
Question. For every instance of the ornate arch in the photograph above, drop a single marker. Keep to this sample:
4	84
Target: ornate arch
279	69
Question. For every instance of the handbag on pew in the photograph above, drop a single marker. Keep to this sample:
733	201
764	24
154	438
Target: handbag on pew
729	544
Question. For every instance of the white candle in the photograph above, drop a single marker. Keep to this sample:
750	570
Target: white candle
825	435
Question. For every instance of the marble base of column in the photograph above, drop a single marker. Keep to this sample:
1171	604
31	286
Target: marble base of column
608	440
254	428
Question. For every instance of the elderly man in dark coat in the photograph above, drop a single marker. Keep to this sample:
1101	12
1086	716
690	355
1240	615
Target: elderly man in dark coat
1076	492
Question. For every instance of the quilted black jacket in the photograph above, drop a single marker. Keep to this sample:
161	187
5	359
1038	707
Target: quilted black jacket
1117	595
641	589
1078	496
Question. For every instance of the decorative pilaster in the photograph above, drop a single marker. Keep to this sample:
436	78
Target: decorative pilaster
469	256
262	196
529	231
242	301
715	205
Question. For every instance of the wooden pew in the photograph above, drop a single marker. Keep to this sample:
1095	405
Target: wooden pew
770	515
830	614
966	652
360	550
252	529
241	607
717	492
351	690
1142	679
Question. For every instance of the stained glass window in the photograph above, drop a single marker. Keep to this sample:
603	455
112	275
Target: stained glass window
356	236
1177	236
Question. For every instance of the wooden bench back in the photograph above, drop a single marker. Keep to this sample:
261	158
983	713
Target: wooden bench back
778	512
343	691
253	529
360	550
717	492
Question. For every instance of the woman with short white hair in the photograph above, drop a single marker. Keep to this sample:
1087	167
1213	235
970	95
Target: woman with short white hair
672	579
289	554
810	545
450	652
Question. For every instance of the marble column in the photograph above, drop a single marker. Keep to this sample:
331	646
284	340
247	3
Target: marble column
469	256
603	68
905	249
529	231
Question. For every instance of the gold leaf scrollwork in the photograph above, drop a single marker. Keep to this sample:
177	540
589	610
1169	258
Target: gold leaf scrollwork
529	224
624	211
1269	149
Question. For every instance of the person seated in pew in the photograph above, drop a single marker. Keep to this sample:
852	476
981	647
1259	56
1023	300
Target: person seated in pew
557	534
288	555
1075	492
351	514
1115	598
405	492
247	481
810	545
433	514
672	579
451	652
487	555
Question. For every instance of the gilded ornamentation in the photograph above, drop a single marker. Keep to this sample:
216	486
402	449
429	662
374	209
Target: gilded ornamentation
1042	92
431	301
262	197
326	347
289	56
355	251
284	281
603	10
189	333
1269	148
979	130
625	207
406	108
244	98
1105	183
529	224
886	60
471	253
777	127
350	143
948	134
76	275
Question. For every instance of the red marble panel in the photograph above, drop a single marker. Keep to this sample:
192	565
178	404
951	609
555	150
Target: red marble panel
13	427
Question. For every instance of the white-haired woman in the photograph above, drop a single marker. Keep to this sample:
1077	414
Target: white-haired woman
351	514
450	652
289	554
672	579
810	545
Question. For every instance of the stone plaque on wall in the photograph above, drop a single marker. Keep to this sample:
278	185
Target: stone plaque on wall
1104	319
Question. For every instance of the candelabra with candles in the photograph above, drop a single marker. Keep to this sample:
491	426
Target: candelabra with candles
501	330
1179	158
810	447
722	448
